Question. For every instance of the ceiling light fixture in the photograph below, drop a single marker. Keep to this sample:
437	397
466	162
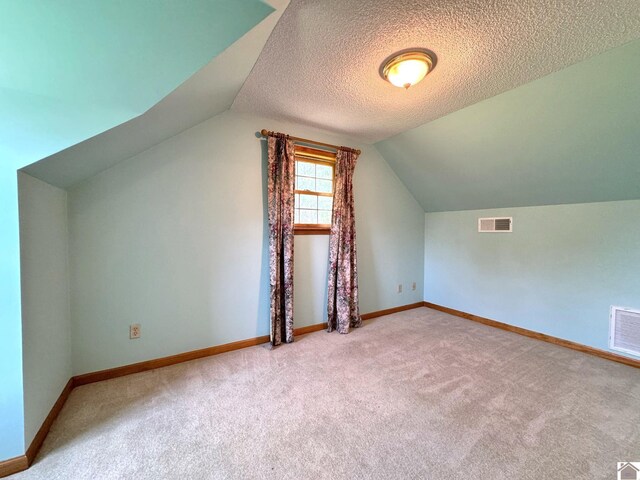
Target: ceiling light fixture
406	68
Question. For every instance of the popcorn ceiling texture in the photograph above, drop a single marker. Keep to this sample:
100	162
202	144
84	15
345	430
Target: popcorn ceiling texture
320	65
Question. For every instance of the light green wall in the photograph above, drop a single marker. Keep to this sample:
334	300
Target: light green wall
11	394
73	69
389	224
310	279
557	273
175	239
70	70
570	137
46	321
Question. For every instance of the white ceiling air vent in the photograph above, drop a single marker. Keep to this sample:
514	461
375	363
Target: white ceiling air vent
495	224
624	330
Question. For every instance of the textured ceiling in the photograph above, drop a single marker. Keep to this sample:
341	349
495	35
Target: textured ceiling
569	137
320	66
70	69
207	93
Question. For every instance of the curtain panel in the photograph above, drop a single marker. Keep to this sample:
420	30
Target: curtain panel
342	302
281	184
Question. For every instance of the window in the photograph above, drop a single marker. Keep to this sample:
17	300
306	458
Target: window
314	190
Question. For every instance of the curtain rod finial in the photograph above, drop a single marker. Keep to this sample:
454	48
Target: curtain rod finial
264	132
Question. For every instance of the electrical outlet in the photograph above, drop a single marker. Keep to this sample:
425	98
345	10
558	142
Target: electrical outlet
134	331
413	287
399	288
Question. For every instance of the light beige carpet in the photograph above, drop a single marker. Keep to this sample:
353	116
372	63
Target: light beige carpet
415	395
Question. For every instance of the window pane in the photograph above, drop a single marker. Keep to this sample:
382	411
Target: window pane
324	186
325	203
312	177
305	183
308	216
306	169
324	171
324	217
308	201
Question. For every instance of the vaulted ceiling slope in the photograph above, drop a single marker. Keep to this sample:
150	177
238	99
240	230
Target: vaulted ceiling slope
207	93
570	137
70	69
320	66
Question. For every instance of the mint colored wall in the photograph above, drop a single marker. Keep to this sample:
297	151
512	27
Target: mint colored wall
570	137
557	273
11	395
390	234
566	140
46	318
47	104
175	239
310	279
73	69
79	69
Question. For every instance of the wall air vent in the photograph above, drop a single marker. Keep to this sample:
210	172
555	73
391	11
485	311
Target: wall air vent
495	224
624	330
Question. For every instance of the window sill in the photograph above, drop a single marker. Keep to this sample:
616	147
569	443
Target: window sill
312	230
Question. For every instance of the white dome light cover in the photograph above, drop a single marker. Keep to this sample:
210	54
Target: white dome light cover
406	68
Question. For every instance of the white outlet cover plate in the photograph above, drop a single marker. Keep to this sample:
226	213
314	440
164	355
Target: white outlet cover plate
134	331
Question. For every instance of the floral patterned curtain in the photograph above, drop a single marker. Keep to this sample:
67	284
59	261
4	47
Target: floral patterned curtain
281	183
343	312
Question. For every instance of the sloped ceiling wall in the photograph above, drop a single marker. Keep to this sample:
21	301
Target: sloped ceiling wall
570	137
70	69
208	92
